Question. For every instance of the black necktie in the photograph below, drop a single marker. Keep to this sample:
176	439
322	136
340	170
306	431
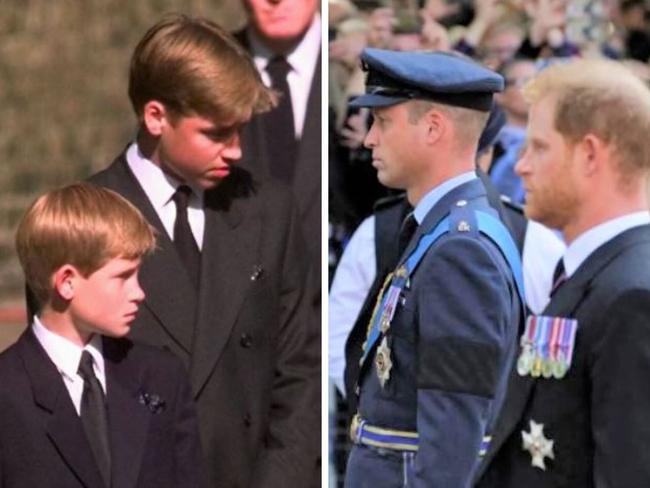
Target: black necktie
93	417
559	276
282	144
183	237
407	229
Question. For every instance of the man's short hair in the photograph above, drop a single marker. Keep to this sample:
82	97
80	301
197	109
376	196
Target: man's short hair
469	123
195	67
602	98
82	225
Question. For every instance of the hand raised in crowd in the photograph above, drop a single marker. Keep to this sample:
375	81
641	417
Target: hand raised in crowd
355	129
486	14
434	36
548	19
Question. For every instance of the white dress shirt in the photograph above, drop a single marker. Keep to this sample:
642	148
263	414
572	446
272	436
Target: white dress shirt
160	188
587	242
353	278
303	61
542	250
66	356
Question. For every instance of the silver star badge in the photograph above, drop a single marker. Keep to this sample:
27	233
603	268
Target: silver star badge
537	445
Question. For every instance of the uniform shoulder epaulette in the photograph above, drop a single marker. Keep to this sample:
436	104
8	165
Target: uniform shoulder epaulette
462	218
507	202
389	201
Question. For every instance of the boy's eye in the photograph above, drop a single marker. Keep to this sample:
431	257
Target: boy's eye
221	134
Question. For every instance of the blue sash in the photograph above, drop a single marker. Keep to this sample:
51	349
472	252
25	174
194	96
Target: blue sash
490	226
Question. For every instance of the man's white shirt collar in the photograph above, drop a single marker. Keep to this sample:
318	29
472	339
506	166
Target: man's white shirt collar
160	188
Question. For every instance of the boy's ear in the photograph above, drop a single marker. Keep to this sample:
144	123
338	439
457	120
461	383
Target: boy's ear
154	117
64	281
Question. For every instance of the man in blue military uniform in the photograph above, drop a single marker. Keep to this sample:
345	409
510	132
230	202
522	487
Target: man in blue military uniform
443	333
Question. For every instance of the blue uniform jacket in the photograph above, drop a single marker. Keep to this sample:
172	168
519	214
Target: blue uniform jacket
452	340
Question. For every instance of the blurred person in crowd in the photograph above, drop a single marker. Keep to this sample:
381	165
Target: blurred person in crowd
513	135
578	400
633	19
344	52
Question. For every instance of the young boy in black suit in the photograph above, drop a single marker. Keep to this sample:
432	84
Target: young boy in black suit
80	405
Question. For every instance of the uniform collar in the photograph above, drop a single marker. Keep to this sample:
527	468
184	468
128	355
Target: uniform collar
433	196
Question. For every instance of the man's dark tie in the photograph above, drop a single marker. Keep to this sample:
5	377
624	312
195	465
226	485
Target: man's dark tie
559	276
282	144
407	229
184	240
93	417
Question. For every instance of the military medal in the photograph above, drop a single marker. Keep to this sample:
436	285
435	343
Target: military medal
383	362
547	347
525	360
537	445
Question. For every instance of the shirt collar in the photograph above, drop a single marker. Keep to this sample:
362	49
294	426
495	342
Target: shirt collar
302	58
65	354
582	247
430	199
157	185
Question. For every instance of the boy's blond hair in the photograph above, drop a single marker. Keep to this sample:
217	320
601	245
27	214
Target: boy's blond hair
195	67
82	225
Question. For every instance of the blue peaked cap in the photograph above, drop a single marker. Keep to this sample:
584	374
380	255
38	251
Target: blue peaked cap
443	77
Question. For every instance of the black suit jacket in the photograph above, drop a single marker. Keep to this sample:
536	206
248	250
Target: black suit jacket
42	441
253	365
306	184
597	415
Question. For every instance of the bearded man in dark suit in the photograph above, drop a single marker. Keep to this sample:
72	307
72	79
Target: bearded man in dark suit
578	399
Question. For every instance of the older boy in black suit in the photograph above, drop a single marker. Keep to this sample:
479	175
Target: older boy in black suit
80	405
227	290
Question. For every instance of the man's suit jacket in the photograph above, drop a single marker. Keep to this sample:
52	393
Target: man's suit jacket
452	337
597	415
306	183
153	434
253	366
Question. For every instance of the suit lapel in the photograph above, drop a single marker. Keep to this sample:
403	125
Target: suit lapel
127	418
171	297
62	425
307	187
564	303
230	248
